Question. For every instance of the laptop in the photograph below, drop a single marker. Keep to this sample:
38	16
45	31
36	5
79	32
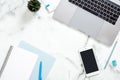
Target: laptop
96	18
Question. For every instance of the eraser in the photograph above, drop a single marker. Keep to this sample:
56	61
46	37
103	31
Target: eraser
114	63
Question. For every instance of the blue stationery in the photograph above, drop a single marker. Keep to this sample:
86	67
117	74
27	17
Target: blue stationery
40	71
47	61
110	54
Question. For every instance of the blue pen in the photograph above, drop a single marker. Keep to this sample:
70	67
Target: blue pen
40	71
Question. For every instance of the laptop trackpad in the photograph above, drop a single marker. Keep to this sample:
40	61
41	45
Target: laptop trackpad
86	22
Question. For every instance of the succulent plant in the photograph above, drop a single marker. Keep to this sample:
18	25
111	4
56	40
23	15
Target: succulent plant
34	5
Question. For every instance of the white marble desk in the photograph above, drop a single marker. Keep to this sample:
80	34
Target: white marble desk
42	31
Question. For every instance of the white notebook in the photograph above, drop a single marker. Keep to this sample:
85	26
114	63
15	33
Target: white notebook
19	65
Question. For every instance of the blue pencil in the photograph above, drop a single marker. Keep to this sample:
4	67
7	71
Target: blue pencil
40	71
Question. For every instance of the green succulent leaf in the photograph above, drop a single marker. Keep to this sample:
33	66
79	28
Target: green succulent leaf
34	5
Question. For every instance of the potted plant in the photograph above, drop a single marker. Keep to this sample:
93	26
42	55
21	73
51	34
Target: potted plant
34	5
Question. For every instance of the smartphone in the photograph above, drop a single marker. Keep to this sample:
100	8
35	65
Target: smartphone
89	62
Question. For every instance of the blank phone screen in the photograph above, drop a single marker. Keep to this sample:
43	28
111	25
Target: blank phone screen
89	61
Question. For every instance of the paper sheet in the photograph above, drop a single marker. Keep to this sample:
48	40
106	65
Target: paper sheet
47	60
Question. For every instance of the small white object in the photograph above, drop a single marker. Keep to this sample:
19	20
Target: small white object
20	65
50	5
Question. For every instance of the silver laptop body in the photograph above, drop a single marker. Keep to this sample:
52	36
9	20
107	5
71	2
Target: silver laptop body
79	16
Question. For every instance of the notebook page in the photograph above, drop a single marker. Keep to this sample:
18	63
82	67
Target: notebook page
20	65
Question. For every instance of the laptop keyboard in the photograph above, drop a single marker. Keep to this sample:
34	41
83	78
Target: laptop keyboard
104	9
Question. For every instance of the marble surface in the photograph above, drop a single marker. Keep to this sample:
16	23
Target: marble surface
57	39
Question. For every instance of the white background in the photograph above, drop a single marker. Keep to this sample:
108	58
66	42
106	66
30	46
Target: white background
55	38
